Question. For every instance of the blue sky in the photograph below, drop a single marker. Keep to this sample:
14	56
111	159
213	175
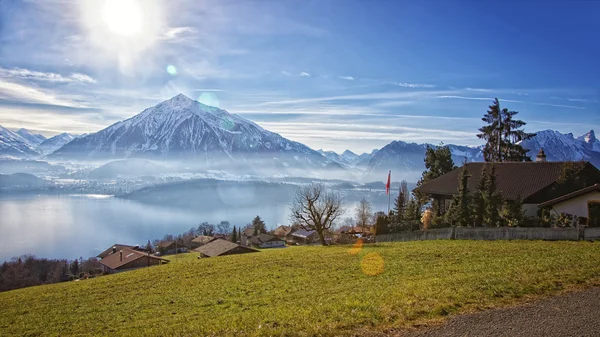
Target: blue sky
331	74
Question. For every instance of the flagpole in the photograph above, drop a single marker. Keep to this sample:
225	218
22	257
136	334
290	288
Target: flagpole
389	190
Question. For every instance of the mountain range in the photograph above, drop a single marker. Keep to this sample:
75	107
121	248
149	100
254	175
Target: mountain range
181	129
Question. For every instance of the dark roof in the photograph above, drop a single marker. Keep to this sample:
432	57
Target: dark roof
262	238
514	178
219	247
108	251
582	191
303	233
113	261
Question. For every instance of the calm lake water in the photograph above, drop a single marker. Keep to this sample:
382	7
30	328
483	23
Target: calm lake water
70	226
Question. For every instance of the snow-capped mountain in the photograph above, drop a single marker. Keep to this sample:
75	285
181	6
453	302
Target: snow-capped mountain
54	143
348	158
564	147
33	139
406	160
13	145
186	130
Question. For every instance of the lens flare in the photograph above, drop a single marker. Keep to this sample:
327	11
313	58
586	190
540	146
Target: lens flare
227	124
209	98
372	264
356	247
172	70
122	17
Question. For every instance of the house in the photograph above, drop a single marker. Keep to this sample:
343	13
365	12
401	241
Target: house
221	247
127	259
201	240
574	203
171	247
355	230
532	182
282	231
117	247
307	237
266	241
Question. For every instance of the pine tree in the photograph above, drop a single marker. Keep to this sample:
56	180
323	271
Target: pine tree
239	233
259	226
399	207
502	134
479	198
149	247
460	212
438	161
491	198
382	225
513	213
234	238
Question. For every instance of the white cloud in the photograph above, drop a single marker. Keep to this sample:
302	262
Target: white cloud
413	85
303	74
28	94
478	89
512	101
285	73
27	74
349	78
173	33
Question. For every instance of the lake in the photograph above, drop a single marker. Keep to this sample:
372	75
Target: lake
70	226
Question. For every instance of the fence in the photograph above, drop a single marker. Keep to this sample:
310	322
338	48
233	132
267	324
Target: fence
502	233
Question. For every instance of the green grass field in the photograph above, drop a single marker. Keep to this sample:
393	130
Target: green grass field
303	291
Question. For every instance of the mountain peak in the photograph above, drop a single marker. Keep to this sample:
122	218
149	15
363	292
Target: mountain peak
180	97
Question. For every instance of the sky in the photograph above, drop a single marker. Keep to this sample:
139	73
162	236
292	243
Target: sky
333	74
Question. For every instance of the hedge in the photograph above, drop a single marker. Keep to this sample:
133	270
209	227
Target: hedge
593	213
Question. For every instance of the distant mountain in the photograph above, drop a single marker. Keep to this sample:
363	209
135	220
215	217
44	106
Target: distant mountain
21	180
54	143
128	168
348	157
14	145
185	130
33	139
363	160
565	147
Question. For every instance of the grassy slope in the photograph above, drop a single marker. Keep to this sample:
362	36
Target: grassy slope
302	290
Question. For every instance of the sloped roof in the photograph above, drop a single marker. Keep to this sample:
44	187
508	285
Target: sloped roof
262	238
513	178
303	233
593	188
203	239
219	247
282	231
113	261
108	251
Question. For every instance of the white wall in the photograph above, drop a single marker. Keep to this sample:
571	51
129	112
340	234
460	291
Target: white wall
576	206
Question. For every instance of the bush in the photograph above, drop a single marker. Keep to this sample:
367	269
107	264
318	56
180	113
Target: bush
593	213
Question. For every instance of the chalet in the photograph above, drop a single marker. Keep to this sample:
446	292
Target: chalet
266	241
128	259
574	203
533	182
282	231
221	247
202	240
171	247
307	237
117	247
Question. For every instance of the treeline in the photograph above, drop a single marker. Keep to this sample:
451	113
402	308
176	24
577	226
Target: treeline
28	270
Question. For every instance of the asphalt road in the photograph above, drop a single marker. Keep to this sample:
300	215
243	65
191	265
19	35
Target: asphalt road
572	314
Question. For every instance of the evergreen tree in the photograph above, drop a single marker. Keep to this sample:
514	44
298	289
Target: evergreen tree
240	233
491	199
382	225
259	226
513	213
502	134
479	198
438	161
234	237
149	247
399	208
460	212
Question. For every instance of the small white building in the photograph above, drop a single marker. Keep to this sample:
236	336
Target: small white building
267	241
575	203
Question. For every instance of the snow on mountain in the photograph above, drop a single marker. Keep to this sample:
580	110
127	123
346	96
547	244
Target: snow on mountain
406	160
349	156
54	143
14	145
186	130
32	139
564	147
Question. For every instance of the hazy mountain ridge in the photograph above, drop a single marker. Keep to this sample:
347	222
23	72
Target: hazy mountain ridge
54	143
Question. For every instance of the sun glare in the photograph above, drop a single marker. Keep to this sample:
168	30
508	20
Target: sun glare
122	17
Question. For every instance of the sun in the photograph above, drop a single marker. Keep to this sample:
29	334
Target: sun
122	17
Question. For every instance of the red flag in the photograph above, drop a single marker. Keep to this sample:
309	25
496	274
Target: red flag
387	186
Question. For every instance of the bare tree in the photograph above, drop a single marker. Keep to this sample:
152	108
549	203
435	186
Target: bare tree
364	213
316	208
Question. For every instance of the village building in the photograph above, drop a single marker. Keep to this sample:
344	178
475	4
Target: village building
171	247
282	231
128	259
221	247
266	241
533	182
574	203
202	240
117	247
